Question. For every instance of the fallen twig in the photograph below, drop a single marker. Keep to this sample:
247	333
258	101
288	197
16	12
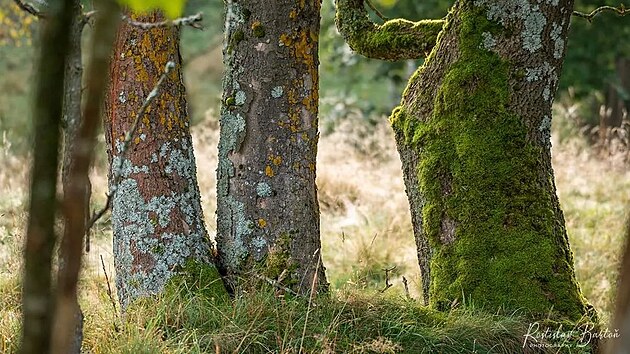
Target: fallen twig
275	284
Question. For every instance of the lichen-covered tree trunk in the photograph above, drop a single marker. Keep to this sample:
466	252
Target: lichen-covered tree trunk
473	132
267	213
156	210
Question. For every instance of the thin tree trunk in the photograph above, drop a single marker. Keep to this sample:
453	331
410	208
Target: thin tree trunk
37	299
156	209
621	318
267	212
71	119
617	96
473	132
68	320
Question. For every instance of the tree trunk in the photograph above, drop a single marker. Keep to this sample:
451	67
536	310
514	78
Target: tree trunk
72	93
267	213
621	318
473	132
156	210
37	299
617	96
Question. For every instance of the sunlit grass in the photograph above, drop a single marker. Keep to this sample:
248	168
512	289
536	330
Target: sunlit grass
366	228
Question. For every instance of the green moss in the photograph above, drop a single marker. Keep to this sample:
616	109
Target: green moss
246	14
478	171
279	261
258	29
237	37
199	279
396	39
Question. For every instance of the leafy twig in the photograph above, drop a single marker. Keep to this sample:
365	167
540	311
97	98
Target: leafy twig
621	11
117	170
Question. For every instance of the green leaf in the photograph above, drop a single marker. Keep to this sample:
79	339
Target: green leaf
171	8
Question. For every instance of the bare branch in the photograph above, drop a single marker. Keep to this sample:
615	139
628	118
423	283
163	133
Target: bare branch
30	9
192	21
378	13
406	285
109	293
387	283
621	11
125	145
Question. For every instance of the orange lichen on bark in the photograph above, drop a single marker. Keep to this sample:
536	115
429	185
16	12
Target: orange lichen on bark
269	171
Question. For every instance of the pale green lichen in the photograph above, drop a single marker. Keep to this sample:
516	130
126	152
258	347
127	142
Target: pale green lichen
263	190
239	98
139	227
488	42
533	19
558	41
277	92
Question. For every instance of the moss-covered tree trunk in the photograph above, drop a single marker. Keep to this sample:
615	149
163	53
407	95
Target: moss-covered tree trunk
473	132
156	210
268	214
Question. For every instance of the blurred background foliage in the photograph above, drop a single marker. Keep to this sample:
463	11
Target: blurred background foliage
350	84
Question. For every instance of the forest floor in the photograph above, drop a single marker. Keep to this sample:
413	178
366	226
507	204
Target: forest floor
365	227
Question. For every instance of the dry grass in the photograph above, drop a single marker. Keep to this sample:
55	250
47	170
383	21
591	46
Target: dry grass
364	217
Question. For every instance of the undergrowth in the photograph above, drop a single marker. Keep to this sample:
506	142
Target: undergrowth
185	320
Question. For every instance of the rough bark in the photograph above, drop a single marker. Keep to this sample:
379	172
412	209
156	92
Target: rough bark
37	299
267	213
156	210
473	132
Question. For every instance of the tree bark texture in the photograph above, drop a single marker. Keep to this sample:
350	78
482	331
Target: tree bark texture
71	118
37	299
473	132
267	213
156	210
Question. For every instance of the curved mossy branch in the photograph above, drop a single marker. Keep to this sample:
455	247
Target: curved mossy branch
396	39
